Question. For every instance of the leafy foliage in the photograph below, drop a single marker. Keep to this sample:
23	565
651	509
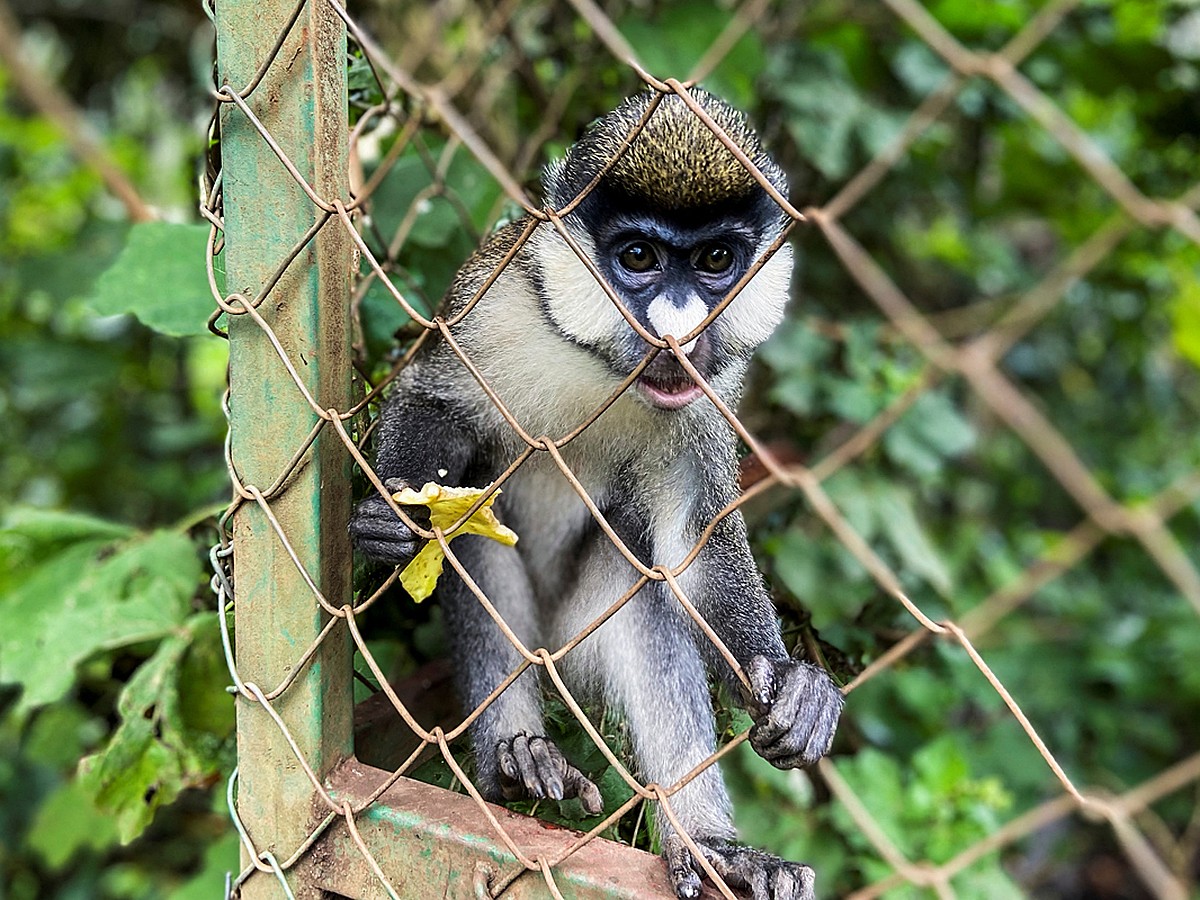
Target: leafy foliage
108	656
112	455
83	597
67	565
158	254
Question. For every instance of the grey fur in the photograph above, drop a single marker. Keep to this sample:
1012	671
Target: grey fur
658	466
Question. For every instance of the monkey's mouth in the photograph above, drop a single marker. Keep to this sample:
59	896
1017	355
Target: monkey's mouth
665	384
668	394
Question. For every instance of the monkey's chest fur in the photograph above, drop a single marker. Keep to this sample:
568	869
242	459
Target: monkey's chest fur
642	506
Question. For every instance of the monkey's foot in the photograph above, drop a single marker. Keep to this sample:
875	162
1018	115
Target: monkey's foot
532	766
765	876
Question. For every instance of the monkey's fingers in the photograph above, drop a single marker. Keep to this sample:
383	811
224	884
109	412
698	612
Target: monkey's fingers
579	785
377	532
570	781
799	727
531	771
797	695
807	742
761	674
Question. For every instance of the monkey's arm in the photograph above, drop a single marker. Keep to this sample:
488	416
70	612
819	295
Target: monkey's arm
421	439
795	705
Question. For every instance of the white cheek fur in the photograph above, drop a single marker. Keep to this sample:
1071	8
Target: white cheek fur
542	379
758	309
574	299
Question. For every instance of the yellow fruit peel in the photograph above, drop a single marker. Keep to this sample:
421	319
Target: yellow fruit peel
446	506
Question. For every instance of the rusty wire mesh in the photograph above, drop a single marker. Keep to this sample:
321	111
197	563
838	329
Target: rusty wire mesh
441	101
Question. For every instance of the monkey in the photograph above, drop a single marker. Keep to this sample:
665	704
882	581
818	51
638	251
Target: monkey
672	221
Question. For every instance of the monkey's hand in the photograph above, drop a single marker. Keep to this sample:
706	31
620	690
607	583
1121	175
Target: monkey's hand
381	534
795	706
765	876
532	766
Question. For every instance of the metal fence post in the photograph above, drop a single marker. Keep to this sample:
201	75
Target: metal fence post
301	101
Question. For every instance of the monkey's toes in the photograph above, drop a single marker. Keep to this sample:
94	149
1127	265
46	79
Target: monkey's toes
681	868
532	766
765	876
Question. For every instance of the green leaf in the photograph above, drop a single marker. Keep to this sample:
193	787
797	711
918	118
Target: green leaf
614	789
160	277
434	221
475	188
67	822
942	766
61	733
798	565
82	594
920	69
825	109
220	858
878	776
1185	320
798	355
932	431
941	425
987	878
71	272
693	28
133	777
822	126
205	708
897	518
168	739
29	533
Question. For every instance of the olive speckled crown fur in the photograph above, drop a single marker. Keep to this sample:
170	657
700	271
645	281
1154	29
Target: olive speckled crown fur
676	161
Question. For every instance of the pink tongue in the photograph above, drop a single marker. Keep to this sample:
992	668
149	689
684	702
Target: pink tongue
670	399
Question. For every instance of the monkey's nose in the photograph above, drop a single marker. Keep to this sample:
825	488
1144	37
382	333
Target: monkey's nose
666	316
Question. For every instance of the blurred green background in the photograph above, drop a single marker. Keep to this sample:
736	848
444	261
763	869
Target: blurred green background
115	731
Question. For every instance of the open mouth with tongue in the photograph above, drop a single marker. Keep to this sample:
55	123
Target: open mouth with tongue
674	393
665	384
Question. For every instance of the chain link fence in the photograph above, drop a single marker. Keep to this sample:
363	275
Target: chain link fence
438	105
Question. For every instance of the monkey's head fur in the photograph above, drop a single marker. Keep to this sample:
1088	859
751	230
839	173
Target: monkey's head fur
675	163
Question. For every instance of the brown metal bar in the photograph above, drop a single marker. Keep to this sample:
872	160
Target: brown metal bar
429	842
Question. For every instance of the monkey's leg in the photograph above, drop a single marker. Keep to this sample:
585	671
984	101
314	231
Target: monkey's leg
513	757
656	674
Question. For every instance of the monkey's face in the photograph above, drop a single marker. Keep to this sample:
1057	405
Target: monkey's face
669	274
672	221
670	279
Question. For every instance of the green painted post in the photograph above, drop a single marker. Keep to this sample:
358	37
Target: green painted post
302	103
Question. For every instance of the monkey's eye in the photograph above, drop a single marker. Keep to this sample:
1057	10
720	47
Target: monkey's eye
714	258
638	257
